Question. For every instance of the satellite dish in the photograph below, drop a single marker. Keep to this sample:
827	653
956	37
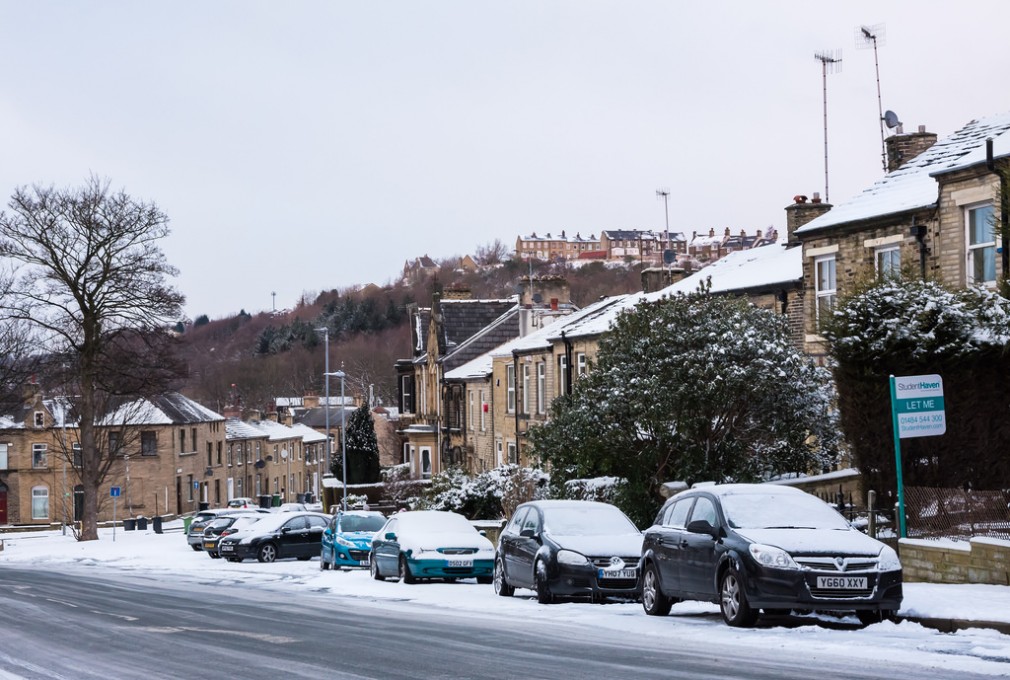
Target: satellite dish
891	119
260	464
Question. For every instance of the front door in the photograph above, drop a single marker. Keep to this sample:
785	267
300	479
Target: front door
3	504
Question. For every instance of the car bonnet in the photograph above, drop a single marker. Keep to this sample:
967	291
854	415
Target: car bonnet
815	541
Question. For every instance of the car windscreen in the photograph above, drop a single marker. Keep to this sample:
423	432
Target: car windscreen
359	523
435	523
780	511
595	520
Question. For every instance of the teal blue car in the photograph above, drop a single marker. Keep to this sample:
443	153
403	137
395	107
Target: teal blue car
347	540
431	544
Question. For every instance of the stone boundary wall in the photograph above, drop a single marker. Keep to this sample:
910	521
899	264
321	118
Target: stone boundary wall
980	560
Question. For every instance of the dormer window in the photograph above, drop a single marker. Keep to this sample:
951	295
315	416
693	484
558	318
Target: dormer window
40	419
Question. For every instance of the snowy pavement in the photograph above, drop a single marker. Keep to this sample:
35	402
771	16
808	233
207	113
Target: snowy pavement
144	553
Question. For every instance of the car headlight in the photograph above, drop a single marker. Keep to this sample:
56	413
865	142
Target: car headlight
343	541
770	556
888	560
571	557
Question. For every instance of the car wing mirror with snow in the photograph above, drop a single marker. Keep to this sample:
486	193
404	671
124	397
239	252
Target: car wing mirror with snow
528	533
390	536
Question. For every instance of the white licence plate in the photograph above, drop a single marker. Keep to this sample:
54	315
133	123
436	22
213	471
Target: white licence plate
616	573
362	563
227	548
842	582
459	563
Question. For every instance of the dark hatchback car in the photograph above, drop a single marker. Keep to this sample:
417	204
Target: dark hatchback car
226	526
275	536
760	547
568	548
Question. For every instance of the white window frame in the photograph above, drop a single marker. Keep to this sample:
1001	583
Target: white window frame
470	417
513	453
40	456
483	412
828	296
972	248
887	262
581	364
526	388
426	462
4	456
510	388
562	374
541	387
499	451
40	502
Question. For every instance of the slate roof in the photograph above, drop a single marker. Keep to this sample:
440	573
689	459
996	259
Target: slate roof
315	418
744	270
461	320
238	429
913	186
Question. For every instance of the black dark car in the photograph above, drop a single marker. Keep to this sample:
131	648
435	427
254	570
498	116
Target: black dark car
761	547
226	525
275	536
568	548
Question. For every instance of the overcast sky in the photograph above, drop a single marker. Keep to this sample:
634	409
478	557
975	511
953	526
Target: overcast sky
304	146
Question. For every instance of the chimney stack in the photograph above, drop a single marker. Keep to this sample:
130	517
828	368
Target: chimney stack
801	212
902	147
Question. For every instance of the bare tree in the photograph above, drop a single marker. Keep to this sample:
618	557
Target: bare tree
90	279
494	252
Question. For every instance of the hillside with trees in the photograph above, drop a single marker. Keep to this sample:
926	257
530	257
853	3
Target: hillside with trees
251	359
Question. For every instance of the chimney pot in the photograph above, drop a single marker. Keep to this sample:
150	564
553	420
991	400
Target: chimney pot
799	198
816	198
922	128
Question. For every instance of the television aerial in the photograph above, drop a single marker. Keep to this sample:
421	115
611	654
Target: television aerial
831	60
867	37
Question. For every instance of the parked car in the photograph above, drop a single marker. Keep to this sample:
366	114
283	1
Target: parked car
290	507
226	525
243	502
754	547
347	541
424	544
568	548
200	521
277	535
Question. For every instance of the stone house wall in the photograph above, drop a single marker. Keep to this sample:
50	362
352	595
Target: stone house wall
980	560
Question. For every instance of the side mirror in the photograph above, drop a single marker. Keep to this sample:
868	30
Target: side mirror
327	531
527	533
702	526
482	533
390	536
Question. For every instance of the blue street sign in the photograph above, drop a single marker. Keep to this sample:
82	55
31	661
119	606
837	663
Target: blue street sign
114	491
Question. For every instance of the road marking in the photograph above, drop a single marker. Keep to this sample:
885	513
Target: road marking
263	637
115	616
69	604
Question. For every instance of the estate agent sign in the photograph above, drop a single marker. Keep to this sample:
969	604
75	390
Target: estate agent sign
916	411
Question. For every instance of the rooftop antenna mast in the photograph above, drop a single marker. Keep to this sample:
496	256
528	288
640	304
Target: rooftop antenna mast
831	61
866	37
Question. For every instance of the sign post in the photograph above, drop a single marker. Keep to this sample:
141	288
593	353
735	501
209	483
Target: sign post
917	410
114	492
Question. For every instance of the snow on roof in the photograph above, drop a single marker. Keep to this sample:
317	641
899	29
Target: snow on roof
913	185
308	435
743	270
168	409
276	431
237	429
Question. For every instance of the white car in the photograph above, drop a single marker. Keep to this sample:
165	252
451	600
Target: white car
427	544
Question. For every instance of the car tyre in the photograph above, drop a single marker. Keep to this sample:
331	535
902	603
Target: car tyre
485	580
234	559
373	569
654	601
736	611
405	574
195	547
324	565
214	555
543	587
267	553
501	585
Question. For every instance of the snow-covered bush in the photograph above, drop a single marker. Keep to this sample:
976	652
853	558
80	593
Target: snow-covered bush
489	495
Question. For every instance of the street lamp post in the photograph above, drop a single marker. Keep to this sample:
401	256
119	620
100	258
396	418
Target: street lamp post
665	195
326	372
343	433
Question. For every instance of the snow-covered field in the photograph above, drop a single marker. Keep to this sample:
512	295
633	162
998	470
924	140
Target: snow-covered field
168	555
